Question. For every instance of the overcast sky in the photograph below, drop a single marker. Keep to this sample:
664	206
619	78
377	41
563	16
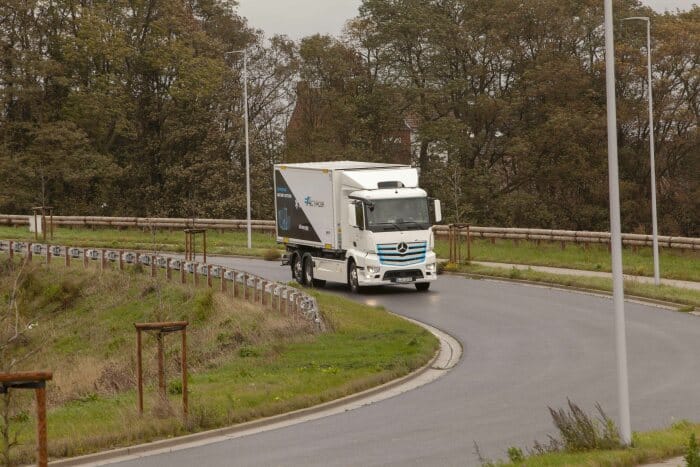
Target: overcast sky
299	18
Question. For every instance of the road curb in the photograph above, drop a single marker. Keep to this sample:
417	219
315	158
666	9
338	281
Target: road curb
446	358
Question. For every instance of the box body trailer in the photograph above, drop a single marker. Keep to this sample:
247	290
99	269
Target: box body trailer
359	223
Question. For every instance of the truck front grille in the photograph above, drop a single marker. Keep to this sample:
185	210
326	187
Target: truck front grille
401	254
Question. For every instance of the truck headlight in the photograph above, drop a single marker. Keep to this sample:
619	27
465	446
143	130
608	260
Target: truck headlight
373	269
430	267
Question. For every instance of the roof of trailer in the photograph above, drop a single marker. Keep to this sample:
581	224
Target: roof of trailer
341	165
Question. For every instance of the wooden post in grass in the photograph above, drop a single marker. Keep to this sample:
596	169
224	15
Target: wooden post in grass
29	252
85	258
103	260
196	275
222	273
67	258
153	265
37	381
48	254
183	279
469	242
121	260
245	286
208	275
161	329
168	271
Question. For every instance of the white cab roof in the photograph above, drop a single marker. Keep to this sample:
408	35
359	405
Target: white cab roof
340	165
390	193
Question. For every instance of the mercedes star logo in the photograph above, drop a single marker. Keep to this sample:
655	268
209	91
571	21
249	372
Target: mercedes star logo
402	247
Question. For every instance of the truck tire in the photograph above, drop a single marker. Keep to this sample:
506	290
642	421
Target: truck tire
308	268
422	286
297	268
352	278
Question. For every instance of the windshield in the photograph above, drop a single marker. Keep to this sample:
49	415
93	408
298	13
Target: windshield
397	214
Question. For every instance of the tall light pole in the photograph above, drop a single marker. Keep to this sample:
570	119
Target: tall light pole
652	162
616	231
247	150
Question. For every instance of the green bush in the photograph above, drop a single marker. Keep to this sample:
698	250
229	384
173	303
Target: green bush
272	254
692	456
581	432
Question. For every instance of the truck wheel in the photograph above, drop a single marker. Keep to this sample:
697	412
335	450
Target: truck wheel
297	269
308	262
353	282
422	286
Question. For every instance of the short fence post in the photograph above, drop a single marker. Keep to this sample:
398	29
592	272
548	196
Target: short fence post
29	251
121	260
42	452
161	365
222	273
208	275
469	242
183	280
139	370
168	271
196	275
185	404
85	258
153	265
103	262
67	258
48	254
245	286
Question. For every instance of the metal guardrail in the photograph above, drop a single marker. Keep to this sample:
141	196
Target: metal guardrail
243	284
440	230
566	236
144	222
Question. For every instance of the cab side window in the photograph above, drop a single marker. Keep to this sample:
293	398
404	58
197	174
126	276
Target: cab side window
360	215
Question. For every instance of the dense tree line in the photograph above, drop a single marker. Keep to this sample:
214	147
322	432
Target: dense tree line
133	107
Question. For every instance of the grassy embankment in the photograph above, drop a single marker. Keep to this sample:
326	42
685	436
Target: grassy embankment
245	362
648	447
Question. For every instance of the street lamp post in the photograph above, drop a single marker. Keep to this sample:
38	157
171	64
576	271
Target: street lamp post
247	150
652	162
616	230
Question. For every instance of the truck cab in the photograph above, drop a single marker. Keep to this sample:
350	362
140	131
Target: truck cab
372	224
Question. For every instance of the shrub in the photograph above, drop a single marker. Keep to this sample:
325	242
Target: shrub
692	456
515	455
272	254
581	432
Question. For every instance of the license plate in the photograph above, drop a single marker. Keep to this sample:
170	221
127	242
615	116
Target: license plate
404	279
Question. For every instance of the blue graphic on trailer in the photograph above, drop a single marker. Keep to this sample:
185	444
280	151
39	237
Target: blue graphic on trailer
284	220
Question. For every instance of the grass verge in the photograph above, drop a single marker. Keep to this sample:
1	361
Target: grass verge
688	299
675	264
245	362
648	447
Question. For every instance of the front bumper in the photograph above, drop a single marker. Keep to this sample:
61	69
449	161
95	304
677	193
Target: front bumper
374	274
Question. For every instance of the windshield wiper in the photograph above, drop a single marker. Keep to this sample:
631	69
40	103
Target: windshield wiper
420	226
387	223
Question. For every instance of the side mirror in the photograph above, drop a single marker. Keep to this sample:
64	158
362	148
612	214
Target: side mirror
352	218
437	209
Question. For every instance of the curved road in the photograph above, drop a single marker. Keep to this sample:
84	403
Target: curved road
525	348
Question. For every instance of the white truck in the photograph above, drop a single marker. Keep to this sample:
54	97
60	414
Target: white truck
360	223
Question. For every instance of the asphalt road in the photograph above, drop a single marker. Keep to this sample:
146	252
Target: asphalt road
525	348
